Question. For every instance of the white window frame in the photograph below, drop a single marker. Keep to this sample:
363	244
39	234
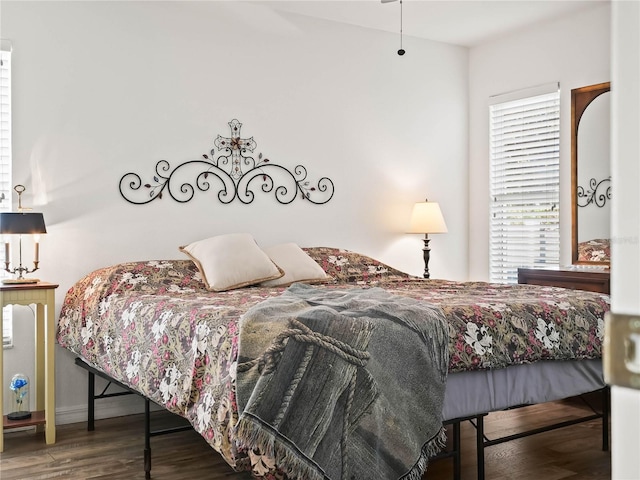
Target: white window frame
524	130
5	168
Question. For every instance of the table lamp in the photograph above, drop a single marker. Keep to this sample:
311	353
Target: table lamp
427	218
21	223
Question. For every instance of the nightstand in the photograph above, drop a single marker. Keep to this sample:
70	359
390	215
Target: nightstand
41	294
592	279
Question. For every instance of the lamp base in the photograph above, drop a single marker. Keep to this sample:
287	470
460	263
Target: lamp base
426	253
18	281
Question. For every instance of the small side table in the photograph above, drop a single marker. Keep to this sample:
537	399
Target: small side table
41	294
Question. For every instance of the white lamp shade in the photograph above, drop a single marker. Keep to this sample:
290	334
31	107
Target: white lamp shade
427	218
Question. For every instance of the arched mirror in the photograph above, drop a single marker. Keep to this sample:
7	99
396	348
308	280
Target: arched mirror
591	174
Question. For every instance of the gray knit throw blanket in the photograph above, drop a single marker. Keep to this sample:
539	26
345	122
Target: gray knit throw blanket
343	384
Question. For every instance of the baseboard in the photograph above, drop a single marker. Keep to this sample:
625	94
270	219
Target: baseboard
105	408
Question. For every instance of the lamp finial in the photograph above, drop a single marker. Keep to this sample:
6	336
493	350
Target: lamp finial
20	190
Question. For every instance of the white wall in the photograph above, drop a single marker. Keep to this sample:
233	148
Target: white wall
573	50
104	88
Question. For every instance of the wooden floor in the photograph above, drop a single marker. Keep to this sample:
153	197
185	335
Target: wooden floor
115	451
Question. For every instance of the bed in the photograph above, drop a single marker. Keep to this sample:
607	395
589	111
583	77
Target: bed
158	329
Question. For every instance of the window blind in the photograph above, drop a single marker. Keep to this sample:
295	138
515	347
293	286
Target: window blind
525	183
5	165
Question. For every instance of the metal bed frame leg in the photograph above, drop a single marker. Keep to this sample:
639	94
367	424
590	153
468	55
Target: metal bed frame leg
480	445
147	439
457	468
92	397
452	452
91	412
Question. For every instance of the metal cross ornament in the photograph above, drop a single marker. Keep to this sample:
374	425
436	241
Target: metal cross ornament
237	146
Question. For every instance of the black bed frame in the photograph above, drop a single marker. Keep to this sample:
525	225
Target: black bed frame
482	441
148	433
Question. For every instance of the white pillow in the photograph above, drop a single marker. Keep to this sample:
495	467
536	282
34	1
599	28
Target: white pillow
297	266
231	261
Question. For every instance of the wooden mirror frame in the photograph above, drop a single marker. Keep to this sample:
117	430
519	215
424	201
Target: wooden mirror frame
581	98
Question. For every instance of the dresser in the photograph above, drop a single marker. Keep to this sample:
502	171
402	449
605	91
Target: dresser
592	279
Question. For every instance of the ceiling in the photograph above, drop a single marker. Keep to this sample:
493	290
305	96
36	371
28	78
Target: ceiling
460	22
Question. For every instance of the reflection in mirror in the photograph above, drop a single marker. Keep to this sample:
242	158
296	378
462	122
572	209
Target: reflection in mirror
591	174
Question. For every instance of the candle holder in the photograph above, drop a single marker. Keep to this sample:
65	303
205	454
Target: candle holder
21	223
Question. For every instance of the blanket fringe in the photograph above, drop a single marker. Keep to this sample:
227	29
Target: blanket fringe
287	459
430	449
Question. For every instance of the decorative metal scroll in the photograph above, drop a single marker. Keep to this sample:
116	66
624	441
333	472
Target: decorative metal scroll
233	169
598	193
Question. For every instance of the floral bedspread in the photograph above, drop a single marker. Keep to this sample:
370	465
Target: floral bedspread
153	326
596	250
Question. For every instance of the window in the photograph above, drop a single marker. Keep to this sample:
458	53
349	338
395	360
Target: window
525	182
5	163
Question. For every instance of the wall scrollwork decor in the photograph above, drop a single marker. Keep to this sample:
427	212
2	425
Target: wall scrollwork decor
236	172
598	194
